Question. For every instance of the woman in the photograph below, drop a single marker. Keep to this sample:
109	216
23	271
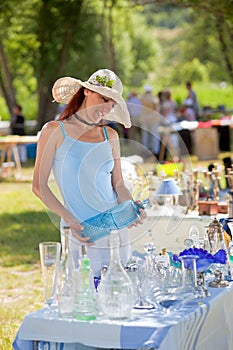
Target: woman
84	155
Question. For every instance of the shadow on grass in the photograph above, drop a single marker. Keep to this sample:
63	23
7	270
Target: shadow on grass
20	235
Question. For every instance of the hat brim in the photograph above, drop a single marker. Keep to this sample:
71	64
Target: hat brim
65	88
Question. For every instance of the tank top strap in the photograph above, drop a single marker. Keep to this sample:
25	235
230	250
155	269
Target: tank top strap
62	129
105	133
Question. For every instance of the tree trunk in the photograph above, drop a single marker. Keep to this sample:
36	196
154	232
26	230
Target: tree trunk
6	84
224	47
53	58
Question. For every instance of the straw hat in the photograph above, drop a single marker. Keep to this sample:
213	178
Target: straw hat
105	82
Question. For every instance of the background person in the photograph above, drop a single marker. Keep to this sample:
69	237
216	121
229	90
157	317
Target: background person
191	102
134	106
168	110
150	121
85	157
17	126
17	121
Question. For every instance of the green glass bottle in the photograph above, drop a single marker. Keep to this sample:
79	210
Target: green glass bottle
85	293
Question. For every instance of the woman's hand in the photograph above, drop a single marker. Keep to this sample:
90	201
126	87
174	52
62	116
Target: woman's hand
139	220
76	229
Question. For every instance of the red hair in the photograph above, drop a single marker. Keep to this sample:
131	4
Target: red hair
73	105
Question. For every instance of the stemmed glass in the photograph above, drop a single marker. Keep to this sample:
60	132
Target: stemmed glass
136	269
49	258
142	302
146	278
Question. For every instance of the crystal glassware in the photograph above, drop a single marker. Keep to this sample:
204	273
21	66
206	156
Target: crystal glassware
194	235
66	277
116	292
49	257
142	302
172	299
189	273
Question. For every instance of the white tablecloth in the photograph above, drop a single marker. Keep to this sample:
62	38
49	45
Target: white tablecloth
204	326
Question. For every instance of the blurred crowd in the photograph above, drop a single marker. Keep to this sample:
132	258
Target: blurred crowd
152	115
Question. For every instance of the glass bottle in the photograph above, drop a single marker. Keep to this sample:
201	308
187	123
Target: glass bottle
163	258
85	292
116	292
194	235
66	278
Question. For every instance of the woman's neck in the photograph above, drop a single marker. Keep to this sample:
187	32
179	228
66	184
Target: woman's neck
83	121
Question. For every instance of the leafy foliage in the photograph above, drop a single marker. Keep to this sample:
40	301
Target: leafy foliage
153	41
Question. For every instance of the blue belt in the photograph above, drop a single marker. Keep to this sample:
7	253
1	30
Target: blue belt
116	218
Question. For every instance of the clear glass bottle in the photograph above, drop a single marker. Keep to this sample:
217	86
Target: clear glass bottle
116	292
163	258
194	235
85	293
66	278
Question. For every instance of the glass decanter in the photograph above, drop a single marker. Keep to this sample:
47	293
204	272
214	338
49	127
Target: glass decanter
66	278
116	292
147	278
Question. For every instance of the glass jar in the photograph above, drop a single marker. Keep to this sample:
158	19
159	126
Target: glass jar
116	292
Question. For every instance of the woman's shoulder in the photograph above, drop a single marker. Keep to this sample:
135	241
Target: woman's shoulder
112	133
50	126
48	129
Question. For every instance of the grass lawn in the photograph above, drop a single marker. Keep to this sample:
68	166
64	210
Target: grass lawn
24	222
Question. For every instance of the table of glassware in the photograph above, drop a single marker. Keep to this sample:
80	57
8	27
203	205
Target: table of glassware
202	324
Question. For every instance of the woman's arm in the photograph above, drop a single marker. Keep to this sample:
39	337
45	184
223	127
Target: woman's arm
123	194
49	140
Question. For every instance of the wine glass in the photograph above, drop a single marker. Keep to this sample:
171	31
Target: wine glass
49	258
142	302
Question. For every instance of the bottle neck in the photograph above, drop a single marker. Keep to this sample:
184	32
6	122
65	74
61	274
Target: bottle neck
65	245
85	270
114	242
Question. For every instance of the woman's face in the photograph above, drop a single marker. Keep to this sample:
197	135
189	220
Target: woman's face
96	105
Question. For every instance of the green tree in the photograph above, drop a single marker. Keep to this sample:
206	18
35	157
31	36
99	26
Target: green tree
16	41
46	39
216	16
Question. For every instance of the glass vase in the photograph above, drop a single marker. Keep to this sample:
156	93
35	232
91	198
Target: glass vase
189	273
116	292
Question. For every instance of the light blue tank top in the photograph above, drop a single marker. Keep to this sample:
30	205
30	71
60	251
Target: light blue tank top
82	171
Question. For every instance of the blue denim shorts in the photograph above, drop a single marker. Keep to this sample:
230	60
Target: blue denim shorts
116	218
